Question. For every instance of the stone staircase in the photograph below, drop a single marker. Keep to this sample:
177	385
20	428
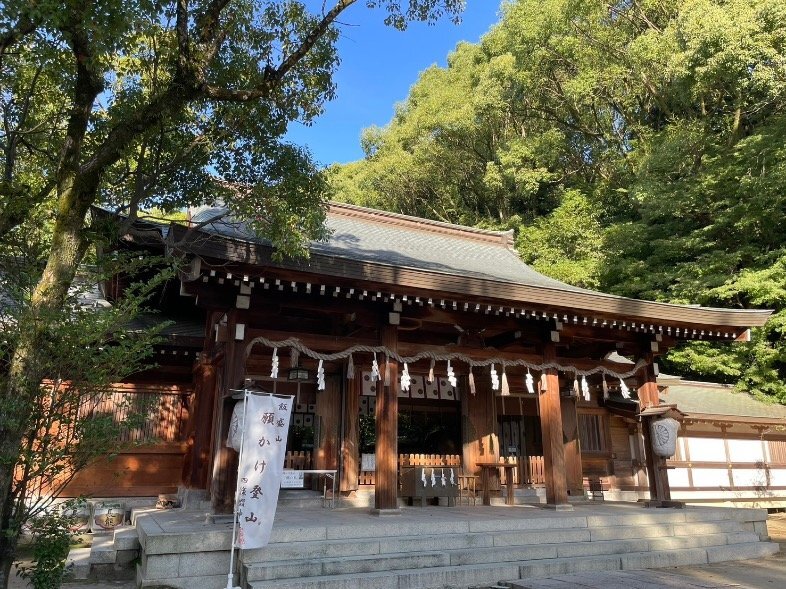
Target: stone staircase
415	553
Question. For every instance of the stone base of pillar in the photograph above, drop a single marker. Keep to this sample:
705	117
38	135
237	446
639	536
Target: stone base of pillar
559	506
385	512
668	503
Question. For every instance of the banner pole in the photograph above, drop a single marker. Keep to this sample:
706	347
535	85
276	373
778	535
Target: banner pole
230	575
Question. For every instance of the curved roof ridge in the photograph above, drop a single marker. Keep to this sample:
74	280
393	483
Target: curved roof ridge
504	238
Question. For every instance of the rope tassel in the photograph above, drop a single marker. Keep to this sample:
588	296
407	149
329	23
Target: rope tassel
350	368
431	372
471	379
451	376
505	387
406	381
494	379
624	389
320	377
529	383
274	364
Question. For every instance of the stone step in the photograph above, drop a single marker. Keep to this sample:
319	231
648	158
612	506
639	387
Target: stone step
404	579
218	581
345	565
463	569
314	545
744	551
721	539
489	573
103	550
126	538
706	527
78	563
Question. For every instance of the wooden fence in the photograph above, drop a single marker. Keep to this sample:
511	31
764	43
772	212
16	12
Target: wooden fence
531	470
534	471
297	460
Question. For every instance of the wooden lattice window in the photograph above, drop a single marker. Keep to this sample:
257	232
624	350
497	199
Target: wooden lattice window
592	432
777	450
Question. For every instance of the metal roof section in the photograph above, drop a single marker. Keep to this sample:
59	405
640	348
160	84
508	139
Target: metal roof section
409	252
720	400
407	242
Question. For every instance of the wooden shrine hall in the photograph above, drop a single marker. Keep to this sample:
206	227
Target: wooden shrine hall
400	335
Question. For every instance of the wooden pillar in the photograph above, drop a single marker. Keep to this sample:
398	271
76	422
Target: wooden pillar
551	426
198	437
657	475
479	425
328	416
574	475
350	451
386	478
224	471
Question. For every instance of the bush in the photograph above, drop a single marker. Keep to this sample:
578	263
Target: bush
52	536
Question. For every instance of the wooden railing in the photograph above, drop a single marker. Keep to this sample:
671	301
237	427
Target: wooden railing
159	412
429	460
534	471
297	460
531	470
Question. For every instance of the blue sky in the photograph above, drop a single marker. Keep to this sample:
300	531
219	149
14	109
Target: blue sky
378	66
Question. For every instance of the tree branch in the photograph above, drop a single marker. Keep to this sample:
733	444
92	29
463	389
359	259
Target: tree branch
272	76
24	26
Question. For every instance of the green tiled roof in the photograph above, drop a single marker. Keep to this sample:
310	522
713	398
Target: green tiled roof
719	400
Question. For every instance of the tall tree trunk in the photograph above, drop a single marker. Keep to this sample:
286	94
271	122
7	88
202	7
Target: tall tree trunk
20	395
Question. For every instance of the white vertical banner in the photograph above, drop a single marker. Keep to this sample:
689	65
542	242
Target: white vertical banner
261	464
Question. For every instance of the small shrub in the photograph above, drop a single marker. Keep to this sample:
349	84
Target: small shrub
52	536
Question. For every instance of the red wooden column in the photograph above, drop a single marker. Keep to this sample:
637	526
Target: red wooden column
574	475
551	426
197	458
657	474
386	482
224	468
350	447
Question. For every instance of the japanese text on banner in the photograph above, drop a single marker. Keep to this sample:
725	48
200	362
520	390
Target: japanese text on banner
259	473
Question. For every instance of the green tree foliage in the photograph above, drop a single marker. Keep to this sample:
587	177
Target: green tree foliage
636	147
135	105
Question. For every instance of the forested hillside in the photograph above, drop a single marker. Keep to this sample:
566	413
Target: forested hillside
636	147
